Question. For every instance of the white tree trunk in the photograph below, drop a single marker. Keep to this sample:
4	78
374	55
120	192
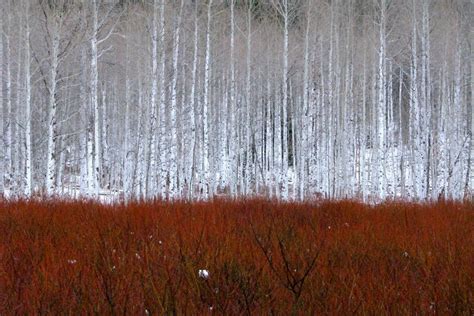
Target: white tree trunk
127	154
425	101
249	100
52	106
285	103
151	161
363	135
2	149
17	176
8	110
381	107
173	146
401	146
415	118
205	120
163	191
28	149
84	144
94	78
305	120
233	142
192	110
104	143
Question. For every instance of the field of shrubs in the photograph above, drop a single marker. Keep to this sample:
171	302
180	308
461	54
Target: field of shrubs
236	257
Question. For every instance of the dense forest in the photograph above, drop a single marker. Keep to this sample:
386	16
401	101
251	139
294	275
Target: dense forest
291	99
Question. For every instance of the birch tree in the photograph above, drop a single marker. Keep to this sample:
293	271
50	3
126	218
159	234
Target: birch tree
381	105
53	25
173	130
153	104
205	107
2	151
28	147
287	98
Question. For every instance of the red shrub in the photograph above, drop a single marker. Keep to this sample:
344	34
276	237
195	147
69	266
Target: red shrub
343	257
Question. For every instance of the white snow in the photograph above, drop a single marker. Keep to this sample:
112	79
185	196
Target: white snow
204	274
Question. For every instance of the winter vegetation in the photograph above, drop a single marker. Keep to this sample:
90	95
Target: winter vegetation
236	258
288	99
236	157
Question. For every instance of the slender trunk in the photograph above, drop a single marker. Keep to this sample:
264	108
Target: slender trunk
150	179
192	108
381	108
363	134
17	176
268	134
52	106
415	117
8	110
329	116
126	160
305	120
285	102
163	167
233	107
469	185
105	144
94	99
2	149
401	147
28	149
207	69
173	128
249	101
89	136
425	98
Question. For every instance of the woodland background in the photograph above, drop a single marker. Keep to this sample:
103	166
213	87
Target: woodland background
284	98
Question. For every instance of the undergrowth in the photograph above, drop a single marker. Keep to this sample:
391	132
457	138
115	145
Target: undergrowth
236	257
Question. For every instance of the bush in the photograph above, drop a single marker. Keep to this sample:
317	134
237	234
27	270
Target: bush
260	257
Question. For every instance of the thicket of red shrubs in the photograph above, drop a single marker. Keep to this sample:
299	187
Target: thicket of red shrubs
259	257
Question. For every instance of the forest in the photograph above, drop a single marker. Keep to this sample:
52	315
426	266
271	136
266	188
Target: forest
236	157
286	99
